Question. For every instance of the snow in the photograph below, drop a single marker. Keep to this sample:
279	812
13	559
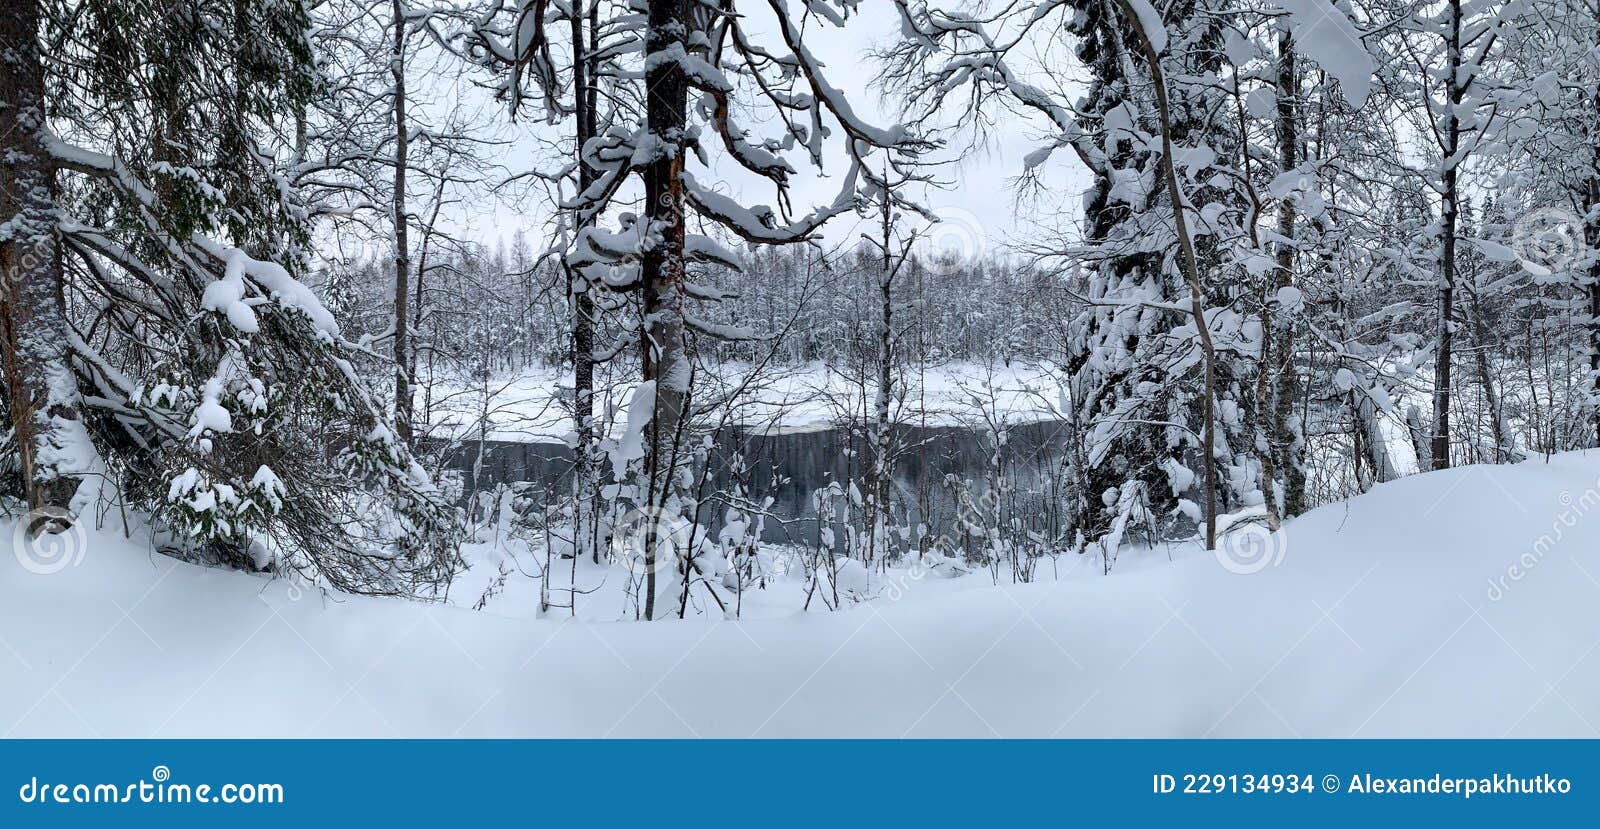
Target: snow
799	398
210	416
1262	102
227	295
70	450
1150	22
1326	34
641	408
1453	604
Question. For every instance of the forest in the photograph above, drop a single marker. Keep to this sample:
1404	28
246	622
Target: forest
663	309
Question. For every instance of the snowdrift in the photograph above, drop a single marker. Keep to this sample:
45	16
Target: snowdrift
1458	603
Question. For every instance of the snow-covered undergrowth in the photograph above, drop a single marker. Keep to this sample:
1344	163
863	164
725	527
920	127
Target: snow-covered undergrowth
1458	603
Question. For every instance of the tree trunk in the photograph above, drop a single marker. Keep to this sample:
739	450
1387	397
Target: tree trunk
1369	438
45	406
586	99
1591	232
402	244
1594	345
1505	451
1288	445
663	346
1449	213
1191	269
879	517
1594	336
1419	439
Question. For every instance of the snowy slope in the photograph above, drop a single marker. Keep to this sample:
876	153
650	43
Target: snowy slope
1390	615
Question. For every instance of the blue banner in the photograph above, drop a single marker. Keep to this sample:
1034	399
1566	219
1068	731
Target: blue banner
857	783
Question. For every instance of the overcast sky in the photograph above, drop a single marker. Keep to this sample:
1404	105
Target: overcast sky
979	205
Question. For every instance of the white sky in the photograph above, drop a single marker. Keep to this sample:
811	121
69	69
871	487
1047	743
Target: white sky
978	205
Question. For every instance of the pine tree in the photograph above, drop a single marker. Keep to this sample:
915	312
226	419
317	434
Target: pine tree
46	421
220	395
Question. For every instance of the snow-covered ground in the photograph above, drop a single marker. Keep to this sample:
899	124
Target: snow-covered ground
527	406
1457	603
